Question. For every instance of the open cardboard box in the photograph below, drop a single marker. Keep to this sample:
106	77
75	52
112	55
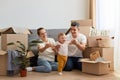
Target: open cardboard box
11	34
106	53
8	30
93	67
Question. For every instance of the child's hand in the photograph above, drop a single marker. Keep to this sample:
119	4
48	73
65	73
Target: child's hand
57	47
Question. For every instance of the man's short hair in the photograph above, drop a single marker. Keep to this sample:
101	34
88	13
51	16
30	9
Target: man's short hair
75	24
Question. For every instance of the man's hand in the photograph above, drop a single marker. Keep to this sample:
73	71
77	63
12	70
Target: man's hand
80	46
74	41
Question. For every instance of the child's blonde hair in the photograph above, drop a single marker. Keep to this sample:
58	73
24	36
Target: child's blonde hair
61	34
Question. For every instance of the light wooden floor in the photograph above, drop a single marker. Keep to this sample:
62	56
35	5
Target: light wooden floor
72	75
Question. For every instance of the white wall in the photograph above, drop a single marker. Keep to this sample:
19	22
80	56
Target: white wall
47	13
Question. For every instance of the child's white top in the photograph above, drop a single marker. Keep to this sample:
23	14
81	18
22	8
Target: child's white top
63	50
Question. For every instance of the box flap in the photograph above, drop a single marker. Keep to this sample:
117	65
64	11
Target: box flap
106	62
88	61
22	31
7	31
2	52
94	55
84	59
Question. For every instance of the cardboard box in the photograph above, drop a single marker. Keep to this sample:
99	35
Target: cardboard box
106	53
6	31
0	42
86	22
7	38
3	63
105	42
85	30
92	41
97	68
94	55
4	70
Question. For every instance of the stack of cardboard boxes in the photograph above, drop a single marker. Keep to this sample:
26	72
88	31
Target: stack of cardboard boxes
107	52
7	36
97	41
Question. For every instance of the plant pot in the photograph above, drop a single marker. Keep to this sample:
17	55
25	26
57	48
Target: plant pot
23	72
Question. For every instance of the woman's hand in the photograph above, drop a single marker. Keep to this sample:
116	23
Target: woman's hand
49	45
57	47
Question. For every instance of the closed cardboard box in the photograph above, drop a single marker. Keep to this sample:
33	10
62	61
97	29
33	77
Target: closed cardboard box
85	22
92	41
3	63
97	68
105	42
7	38
106	53
85	30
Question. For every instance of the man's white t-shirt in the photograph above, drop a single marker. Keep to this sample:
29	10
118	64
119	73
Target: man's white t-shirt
73	51
63	50
48	54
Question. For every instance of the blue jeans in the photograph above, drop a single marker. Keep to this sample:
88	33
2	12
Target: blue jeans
72	63
46	66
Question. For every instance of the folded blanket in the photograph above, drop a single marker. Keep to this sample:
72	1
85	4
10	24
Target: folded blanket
12	68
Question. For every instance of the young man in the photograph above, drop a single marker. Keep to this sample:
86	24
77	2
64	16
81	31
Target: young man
78	42
46	53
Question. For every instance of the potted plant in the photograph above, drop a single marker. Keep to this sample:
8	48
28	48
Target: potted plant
23	59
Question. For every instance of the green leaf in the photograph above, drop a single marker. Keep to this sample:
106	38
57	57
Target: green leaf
10	43
23	61
32	45
36	41
21	52
21	44
22	48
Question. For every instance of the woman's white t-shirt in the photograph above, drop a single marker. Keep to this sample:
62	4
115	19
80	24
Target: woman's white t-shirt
48	54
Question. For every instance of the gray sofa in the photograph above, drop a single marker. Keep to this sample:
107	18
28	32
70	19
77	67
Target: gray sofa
51	33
